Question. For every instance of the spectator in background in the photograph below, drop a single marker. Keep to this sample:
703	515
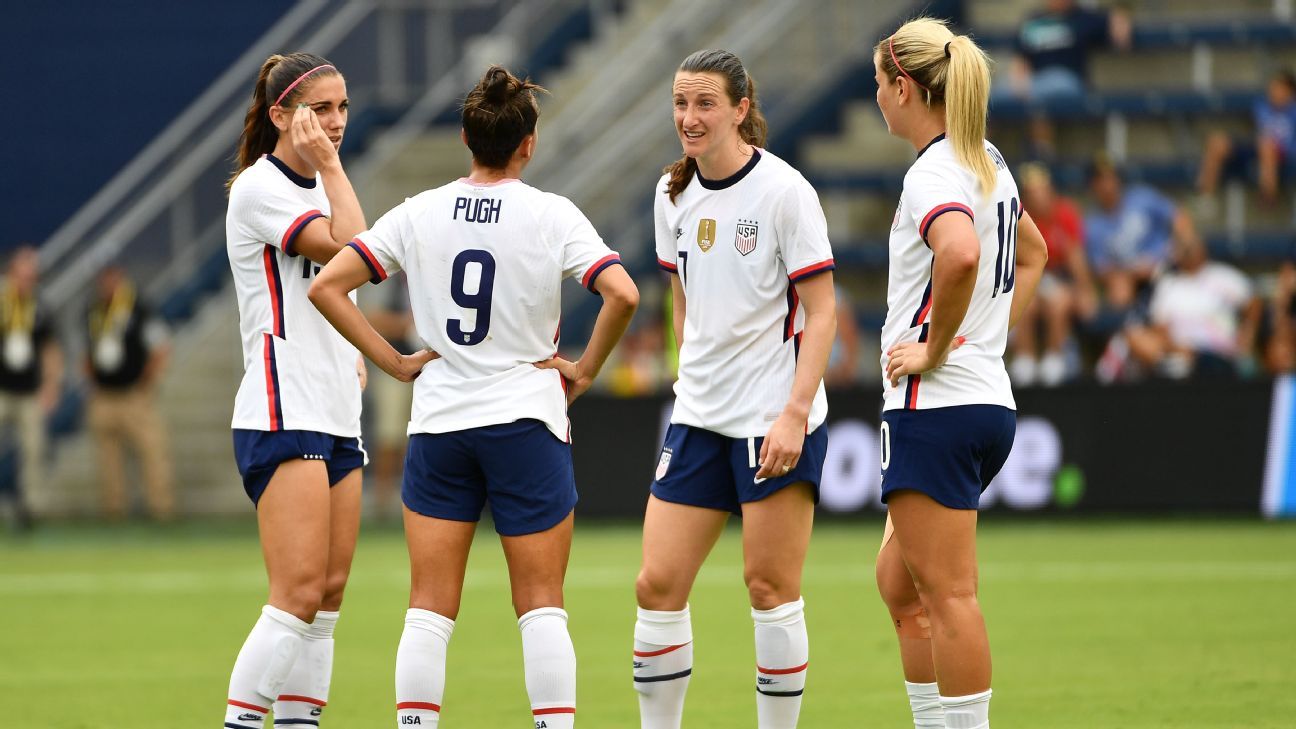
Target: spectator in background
31	370
1202	320
391	398
128	349
1270	155
1053	44
1127	235
843	358
1065	291
1280	351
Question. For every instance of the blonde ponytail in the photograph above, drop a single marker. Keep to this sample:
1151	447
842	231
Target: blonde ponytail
955	73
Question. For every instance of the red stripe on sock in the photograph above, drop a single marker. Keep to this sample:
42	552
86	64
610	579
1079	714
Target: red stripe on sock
419	705
303	699
555	710
245	705
782	671
662	652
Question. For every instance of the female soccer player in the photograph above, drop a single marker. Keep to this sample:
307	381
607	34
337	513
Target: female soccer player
485	257
959	279
297	412
745	241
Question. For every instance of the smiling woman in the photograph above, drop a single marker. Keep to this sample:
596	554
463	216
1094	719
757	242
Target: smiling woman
297	411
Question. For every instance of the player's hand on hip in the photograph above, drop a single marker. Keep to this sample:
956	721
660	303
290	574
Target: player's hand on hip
781	450
310	141
410	365
915	358
578	381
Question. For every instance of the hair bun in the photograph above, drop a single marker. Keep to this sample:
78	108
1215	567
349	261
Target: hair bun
498	85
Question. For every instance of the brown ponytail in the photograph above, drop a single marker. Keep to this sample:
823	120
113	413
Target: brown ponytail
740	85
277	73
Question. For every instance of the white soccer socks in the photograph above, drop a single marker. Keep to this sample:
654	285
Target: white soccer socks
967	712
420	668
262	667
663	662
782	656
550	664
304	695
925	703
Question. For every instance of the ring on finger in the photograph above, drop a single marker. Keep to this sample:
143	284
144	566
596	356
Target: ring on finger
786	468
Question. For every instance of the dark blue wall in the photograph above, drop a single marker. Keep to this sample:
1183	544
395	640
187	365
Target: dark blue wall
87	85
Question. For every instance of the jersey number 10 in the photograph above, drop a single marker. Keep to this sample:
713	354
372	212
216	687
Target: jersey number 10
480	301
1006	261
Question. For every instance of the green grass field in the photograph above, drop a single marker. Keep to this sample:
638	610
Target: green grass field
1093	624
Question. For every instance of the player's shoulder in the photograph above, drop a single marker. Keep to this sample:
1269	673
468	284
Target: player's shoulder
256	179
777	172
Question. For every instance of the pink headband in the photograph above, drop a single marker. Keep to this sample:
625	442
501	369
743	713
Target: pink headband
891	48
302	77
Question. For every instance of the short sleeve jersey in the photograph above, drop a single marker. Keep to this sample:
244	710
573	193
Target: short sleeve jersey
485	266
739	246
298	372
937	184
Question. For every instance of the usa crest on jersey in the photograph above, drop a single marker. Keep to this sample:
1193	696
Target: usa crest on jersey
745	237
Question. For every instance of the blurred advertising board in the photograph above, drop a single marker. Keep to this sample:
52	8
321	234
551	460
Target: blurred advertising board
1145	449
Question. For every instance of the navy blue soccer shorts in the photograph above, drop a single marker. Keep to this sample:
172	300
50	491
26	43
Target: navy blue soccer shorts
951	454
259	453
698	467
521	468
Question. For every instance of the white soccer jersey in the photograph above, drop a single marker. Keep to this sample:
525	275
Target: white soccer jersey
738	246
974	374
298	372
485	265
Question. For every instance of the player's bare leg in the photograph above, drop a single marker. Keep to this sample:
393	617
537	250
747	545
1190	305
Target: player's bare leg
438	550
537	565
938	545
776	537
676	541
305	694
293	517
913	629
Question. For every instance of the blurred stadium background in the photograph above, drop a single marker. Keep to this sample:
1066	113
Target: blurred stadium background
1135	552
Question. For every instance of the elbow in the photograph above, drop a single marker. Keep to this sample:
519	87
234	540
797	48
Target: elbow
625	298
316	293
965	260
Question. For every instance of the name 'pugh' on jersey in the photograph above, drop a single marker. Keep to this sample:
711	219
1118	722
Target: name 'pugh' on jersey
935	185
489	260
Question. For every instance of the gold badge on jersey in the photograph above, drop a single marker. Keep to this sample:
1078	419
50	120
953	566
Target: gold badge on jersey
706	234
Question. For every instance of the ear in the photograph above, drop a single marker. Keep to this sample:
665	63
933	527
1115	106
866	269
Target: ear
744	107
463	136
526	149
281	118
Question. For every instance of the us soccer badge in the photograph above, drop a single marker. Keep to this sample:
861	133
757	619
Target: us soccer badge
706	234
745	237
664	464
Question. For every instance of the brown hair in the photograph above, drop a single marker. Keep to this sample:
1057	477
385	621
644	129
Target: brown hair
740	85
953	72
498	114
277	73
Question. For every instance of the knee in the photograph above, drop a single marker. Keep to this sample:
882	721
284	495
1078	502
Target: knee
942	598
897	592
655	590
334	586
302	598
1218	143
768	592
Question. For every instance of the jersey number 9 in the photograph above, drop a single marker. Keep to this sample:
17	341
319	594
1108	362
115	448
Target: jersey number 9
479	301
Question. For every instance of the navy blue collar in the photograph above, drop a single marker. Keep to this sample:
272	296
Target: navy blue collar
733	179
298	180
929	144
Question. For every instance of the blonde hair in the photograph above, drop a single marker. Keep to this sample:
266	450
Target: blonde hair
953	72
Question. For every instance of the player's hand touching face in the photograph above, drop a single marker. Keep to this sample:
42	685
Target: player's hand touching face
319	122
915	358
